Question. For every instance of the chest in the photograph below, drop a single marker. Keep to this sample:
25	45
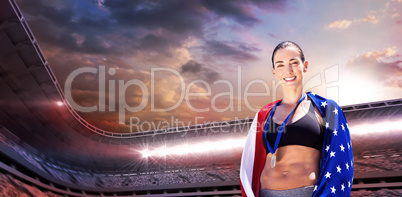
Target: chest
281	113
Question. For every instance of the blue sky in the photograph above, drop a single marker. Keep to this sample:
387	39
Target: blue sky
353	49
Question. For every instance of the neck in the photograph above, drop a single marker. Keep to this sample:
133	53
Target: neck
291	96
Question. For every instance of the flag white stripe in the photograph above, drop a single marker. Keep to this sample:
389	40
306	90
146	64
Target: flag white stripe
247	160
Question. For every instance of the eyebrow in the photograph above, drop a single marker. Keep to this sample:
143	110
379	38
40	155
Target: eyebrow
277	62
291	59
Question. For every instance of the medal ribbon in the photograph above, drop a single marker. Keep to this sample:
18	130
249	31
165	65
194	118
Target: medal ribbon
280	131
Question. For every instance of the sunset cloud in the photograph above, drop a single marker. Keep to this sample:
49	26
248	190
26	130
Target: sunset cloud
344	24
371	19
341	24
391	10
383	66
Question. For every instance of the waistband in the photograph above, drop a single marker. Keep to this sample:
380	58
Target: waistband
296	192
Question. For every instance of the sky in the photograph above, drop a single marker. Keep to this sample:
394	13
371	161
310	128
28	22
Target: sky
129	66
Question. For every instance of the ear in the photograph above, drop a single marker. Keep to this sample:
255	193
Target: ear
273	71
305	66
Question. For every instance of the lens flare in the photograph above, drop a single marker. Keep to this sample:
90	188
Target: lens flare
194	148
380	127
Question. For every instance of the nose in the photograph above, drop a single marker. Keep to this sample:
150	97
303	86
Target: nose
289	68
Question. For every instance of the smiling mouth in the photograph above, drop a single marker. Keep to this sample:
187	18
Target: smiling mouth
289	79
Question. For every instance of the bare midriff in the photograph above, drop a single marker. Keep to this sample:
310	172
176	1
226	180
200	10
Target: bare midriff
296	166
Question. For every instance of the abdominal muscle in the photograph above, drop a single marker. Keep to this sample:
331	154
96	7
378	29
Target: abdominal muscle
296	166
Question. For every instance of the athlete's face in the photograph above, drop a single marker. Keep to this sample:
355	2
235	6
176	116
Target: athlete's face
289	68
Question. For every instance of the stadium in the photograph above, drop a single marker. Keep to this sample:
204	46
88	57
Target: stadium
49	150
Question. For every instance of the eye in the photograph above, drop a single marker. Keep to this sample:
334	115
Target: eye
295	63
280	65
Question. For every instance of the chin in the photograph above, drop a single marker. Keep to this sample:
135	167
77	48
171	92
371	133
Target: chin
291	86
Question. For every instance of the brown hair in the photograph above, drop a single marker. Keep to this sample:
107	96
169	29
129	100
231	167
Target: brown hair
286	44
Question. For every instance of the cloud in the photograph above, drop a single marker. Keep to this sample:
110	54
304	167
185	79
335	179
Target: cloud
389	11
101	27
184	16
344	24
132	28
379	55
65	28
173	16
106	121
371	19
239	11
394	82
158	44
198	70
382	66
340	24
273	36
191	66
232	50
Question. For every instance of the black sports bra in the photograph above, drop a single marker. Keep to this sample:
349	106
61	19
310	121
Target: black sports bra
305	132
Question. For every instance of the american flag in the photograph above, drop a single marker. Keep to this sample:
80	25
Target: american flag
336	164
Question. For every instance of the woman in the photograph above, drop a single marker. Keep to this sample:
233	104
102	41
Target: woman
300	145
